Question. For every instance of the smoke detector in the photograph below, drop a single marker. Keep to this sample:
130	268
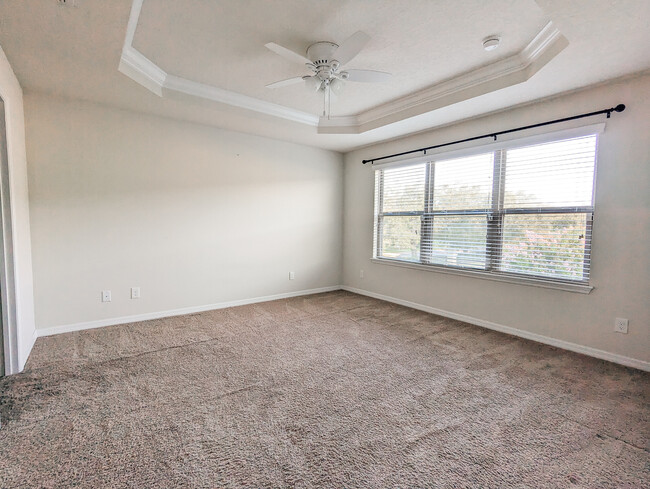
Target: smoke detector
491	43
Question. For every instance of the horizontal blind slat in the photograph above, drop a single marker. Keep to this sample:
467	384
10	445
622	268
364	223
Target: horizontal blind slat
468	220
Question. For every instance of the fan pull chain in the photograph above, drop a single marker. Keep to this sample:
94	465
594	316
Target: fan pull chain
329	101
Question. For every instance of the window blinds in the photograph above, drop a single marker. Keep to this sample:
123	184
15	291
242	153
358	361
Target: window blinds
520	211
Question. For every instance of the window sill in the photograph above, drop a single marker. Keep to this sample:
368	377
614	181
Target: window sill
547	284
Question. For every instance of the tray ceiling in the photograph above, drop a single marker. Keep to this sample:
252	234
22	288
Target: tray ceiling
204	60
218	55
421	42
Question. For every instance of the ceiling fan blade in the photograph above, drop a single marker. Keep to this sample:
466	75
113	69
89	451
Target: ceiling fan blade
367	76
284	83
351	47
287	53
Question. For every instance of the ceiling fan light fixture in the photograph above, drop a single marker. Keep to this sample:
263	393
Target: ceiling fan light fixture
491	43
312	83
324	59
336	86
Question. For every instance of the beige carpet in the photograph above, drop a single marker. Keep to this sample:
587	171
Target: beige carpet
333	390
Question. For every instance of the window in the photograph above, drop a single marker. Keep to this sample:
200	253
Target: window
512	212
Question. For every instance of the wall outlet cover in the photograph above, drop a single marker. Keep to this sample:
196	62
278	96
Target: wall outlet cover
620	325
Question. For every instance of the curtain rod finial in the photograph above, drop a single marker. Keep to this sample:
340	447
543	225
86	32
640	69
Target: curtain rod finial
619	108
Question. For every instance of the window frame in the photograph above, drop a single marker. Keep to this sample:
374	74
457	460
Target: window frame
495	215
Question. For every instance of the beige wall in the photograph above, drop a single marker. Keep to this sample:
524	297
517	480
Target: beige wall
621	234
195	216
192	214
22	337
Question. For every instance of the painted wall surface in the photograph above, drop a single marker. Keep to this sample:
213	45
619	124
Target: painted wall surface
620	256
191	214
12	95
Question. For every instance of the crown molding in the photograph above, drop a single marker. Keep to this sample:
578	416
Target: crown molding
136	65
541	42
501	74
215	94
339	125
547	44
141	70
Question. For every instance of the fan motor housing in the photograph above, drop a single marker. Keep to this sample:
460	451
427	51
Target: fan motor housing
320	53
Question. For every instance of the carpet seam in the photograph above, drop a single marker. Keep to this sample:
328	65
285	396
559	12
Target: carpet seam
137	355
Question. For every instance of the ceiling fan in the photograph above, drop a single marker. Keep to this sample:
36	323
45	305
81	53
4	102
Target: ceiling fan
325	59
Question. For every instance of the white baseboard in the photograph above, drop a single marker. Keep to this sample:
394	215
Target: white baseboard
67	328
585	350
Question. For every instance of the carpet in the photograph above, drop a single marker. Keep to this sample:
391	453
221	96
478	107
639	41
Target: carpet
332	390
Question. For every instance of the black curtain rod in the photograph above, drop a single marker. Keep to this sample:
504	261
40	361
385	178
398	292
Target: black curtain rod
618	108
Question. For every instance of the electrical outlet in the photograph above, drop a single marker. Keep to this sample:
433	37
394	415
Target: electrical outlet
135	292
361	274
620	325
106	296
292	275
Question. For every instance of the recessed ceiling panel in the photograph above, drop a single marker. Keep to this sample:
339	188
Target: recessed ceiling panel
422	42
74	51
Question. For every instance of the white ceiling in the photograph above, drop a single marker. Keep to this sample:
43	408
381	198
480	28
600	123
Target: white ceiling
224	46
75	52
